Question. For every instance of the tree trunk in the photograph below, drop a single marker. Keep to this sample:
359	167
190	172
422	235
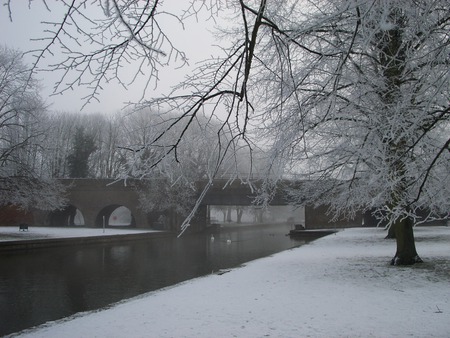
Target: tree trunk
239	213
406	248
258	216
391	232
229	215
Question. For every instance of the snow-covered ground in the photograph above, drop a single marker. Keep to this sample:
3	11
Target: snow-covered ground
338	286
13	233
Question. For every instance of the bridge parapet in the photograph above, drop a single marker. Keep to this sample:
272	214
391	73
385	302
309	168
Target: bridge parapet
96	198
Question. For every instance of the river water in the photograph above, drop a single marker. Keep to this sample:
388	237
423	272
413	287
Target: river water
47	284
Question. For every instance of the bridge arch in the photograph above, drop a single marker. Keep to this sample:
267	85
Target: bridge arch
106	213
68	216
98	198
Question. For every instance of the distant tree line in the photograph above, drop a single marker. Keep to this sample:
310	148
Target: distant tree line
97	145
38	146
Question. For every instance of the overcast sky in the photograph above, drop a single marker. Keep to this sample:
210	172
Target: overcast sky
195	41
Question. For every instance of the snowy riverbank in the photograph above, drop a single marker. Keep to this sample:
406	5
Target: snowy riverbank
13	233
338	286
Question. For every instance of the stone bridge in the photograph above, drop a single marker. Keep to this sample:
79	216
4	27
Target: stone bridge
97	199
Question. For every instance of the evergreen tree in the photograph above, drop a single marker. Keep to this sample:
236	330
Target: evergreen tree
78	160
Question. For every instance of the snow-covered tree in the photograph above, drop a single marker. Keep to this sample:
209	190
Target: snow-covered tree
61	128
361	107
172	177
21	135
56	146
108	160
351	95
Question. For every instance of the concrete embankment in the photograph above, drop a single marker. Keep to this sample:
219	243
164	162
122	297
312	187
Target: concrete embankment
70	241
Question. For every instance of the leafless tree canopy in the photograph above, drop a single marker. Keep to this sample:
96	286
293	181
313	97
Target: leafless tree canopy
352	94
20	138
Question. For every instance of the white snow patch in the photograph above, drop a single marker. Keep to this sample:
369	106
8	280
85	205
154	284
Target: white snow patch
9	233
338	286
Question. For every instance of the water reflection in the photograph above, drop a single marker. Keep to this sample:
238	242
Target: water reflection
47	284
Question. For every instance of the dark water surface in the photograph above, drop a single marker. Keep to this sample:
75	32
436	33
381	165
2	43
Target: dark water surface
47	284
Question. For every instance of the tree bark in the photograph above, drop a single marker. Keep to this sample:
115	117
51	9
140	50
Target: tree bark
229	220
239	213
406	253
391	232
